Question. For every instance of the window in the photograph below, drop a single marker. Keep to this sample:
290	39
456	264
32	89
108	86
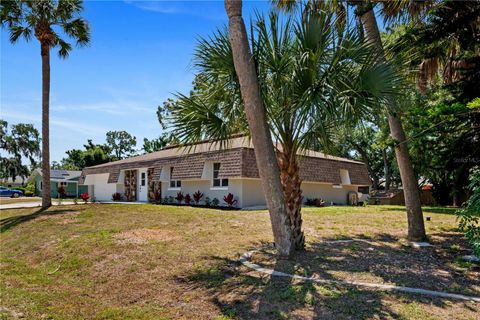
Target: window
364	189
142	179
174	183
41	185
62	184
217	181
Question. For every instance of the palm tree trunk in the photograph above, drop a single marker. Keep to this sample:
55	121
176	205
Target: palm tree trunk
416	227
46	192
291	182
264	152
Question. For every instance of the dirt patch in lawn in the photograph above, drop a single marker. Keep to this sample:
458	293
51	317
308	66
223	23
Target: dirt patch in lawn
143	236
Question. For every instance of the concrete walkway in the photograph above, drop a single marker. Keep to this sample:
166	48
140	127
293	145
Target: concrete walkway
34	204
21	205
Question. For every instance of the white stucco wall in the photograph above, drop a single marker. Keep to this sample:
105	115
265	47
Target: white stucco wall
99	187
248	192
191	186
326	192
253	193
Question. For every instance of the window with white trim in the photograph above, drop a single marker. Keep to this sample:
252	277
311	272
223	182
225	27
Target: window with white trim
62	184
143	179
217	181
174	183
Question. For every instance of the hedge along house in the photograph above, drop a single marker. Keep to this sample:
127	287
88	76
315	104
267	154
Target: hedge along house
218	171
68	179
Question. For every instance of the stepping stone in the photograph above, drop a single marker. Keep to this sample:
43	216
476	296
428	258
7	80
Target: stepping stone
471	258
420	244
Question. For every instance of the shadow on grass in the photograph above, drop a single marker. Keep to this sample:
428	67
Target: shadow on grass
10	222
246	294
441	210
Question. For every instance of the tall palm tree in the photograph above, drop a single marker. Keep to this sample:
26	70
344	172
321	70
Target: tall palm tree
25	18
255	111
391	10
310	80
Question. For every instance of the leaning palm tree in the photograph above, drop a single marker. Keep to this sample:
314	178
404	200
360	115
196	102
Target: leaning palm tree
25	18
257	121
310	80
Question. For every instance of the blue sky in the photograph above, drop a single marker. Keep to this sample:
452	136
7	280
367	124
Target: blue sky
139	55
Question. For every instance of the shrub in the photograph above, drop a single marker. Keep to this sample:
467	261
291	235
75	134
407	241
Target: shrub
29	189
215	202
469	216
188	199
75	201
116	196
171	199
179	197
85	196
61	192
317	202
229	199
93	199
197	196
165	200
208	202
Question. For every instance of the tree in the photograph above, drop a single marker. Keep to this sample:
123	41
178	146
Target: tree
92	155
23	141
121	143
255	111
24	18
416	227
157	144
311	81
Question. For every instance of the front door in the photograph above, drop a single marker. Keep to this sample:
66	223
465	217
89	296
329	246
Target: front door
142	185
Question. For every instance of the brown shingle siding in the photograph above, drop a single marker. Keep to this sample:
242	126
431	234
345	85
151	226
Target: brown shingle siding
238	162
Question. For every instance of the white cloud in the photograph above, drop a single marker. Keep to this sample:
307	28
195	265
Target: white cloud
203	9
76	125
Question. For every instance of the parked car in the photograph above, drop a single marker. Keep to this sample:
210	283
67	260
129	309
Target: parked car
7	192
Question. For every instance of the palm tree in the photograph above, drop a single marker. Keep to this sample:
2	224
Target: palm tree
395	9
255	112
27	17
309	79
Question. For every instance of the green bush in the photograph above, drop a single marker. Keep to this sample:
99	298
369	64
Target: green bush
469	216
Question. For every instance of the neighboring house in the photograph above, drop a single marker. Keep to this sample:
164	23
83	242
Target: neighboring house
68	179
19	181
217	172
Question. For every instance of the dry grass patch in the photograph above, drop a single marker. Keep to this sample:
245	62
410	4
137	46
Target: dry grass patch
167	262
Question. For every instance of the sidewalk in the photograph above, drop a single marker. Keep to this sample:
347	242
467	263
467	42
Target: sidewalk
20	205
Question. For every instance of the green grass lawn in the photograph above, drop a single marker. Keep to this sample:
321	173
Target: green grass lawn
167	262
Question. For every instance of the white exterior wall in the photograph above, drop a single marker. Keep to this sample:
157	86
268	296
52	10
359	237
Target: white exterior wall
191	186
248	192
326	192
253	192
99	187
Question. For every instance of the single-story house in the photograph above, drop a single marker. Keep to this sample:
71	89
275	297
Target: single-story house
68	179
217	171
